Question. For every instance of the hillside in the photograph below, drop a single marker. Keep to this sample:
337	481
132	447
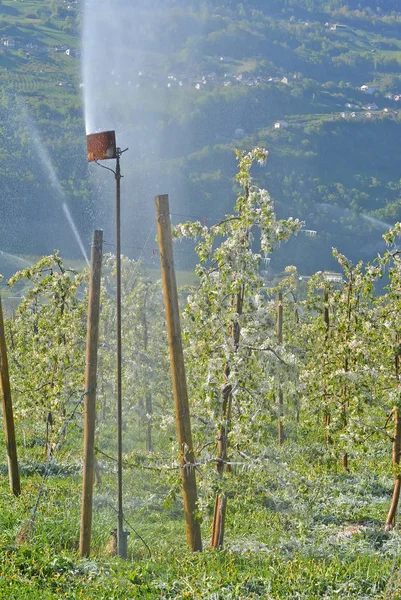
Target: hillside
318	84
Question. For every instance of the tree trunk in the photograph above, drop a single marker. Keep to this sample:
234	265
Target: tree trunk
149	412
327	415
149	403
327	420
345	423
220	507
280	426
345	402
280	411
49	435
219	519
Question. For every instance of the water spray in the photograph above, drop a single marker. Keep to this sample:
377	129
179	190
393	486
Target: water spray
50	171
102	146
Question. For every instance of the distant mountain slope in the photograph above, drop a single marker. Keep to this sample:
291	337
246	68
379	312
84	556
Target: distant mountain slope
317	83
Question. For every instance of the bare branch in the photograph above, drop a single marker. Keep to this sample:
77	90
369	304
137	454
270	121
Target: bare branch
267	349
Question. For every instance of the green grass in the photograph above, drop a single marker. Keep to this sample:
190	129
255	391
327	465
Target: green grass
301	530
246	65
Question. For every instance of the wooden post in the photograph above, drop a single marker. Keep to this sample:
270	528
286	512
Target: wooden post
183	421
92	337
8	416
396	453
280	428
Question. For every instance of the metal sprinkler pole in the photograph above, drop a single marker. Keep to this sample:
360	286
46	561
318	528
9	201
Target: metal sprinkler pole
121	534
102	146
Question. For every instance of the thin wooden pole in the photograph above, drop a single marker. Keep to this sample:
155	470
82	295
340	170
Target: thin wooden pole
390	521
280	427
8	416
396	454
327	415
92	338
183	421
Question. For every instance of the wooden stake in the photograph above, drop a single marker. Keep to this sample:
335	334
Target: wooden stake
327	415
8	416
92	337
280	427
183	421
396	453
390	521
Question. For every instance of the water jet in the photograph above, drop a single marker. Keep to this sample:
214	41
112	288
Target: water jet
50	171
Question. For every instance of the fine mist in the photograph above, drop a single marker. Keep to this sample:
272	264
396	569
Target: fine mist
130	86
38	215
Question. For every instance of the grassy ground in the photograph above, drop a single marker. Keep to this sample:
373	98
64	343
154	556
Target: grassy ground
298	529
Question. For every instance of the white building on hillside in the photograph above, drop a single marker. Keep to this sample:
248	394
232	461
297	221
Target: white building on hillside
280	125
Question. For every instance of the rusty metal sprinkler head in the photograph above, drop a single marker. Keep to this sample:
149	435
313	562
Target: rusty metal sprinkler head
101	146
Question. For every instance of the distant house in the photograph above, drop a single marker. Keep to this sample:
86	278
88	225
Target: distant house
389	112
9	43
284	80
338	27
280	125
367	89
370	107
333	277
